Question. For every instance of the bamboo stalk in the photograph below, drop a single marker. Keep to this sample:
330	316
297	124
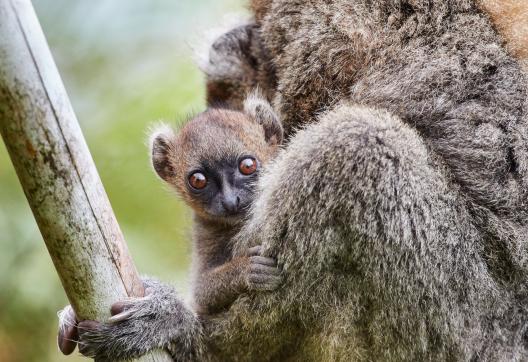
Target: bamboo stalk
57	173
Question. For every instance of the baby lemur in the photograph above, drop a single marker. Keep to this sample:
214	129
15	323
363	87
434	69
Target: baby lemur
213	163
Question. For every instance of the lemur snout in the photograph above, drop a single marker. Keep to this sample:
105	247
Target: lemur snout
231	204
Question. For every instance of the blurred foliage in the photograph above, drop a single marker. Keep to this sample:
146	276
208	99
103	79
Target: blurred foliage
125	64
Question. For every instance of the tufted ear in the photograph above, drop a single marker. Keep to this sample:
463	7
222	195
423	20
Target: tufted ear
161	146
260	109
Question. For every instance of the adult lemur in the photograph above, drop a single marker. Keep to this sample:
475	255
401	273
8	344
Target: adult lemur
398	213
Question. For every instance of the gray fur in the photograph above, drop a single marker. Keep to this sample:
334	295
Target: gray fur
159	320
237	64
398	213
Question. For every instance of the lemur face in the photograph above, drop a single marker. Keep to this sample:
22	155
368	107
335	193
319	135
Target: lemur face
215	160
225	186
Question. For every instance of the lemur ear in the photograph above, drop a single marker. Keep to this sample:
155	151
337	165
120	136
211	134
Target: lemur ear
161	139
260	109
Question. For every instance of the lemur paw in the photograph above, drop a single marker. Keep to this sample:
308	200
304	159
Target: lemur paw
263	273
138	325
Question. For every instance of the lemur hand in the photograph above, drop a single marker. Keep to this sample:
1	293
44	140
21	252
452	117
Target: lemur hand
138	325
263	272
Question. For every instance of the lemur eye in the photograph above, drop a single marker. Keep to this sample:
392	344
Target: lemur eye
247	166
198	180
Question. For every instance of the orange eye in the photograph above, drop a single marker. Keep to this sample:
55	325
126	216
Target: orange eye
247	166
198	180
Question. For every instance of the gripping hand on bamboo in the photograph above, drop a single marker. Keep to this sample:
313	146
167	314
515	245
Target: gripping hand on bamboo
159	320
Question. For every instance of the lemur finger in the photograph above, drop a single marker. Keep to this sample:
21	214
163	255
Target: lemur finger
122	310
67	340
254	251
269	283
85	348
264	279
117	308
264	269
263	260
121	316
128	305
68	335
85	326
268	280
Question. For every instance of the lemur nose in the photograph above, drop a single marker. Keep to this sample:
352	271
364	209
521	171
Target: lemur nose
231	204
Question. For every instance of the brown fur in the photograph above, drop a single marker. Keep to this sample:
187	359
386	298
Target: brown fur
218	278
260	8
219	135
510	18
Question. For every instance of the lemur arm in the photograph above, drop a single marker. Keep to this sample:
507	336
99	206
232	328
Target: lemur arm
218	287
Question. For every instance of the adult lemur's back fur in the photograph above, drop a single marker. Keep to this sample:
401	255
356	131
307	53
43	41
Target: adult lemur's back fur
438	65
398	213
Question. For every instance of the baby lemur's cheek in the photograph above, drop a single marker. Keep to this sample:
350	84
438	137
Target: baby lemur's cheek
246	198
200	207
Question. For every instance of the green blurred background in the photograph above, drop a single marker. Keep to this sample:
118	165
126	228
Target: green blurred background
125	64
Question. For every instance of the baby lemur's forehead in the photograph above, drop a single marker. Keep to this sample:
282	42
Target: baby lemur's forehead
219	133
